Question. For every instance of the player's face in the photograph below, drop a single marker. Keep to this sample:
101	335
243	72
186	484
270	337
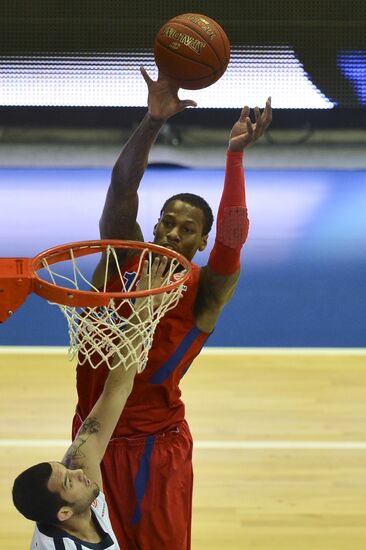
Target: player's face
72	486
180	228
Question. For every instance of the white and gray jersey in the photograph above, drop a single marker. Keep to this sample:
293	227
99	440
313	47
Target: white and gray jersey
47	537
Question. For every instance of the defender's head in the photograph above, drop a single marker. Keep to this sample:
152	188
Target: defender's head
51	493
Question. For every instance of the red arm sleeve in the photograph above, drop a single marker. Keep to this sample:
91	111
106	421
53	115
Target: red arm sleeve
232	219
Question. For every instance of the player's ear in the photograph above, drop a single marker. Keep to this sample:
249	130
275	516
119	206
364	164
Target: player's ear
203	243
64	513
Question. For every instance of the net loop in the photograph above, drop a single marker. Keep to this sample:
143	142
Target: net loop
122	330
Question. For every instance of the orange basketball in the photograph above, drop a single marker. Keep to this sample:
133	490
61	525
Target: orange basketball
193	50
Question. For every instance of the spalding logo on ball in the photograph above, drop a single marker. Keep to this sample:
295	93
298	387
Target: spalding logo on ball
193	50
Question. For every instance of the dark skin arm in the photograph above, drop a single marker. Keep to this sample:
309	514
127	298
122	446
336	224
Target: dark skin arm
119	215
215	291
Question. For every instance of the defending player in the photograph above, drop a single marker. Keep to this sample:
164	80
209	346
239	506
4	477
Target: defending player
147	469
64	498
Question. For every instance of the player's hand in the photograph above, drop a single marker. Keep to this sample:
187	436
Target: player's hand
163	101
153	279
153	275
244	132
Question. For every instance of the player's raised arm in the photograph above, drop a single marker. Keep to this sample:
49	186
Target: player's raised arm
219	278
120	209
87	449
118	220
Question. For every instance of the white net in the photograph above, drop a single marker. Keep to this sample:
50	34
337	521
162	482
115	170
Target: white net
121	332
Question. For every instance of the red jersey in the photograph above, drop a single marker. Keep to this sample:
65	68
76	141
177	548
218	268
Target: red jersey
154	403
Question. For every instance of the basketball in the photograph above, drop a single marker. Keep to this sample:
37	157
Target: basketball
193	50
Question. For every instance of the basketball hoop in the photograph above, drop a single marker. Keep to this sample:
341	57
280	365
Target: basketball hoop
100	323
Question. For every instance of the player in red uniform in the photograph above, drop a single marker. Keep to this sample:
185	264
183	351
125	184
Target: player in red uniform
147	469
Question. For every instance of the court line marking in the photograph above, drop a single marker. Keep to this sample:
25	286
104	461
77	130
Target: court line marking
212	444
62	350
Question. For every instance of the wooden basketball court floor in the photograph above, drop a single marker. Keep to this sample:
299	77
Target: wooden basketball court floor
280	443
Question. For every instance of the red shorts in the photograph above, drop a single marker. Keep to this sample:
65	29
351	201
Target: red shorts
148	484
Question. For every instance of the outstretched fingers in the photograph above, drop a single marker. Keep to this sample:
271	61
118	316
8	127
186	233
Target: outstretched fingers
262	120
145	76
244	114
245	132
267	113
152	274
258	123
158	269
163	100
250	128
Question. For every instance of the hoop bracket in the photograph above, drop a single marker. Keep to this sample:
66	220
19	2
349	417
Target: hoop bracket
15	285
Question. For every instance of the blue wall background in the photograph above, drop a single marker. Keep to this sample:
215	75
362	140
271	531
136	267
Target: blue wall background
304	266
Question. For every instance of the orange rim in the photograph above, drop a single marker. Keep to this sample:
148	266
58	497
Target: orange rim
87	298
